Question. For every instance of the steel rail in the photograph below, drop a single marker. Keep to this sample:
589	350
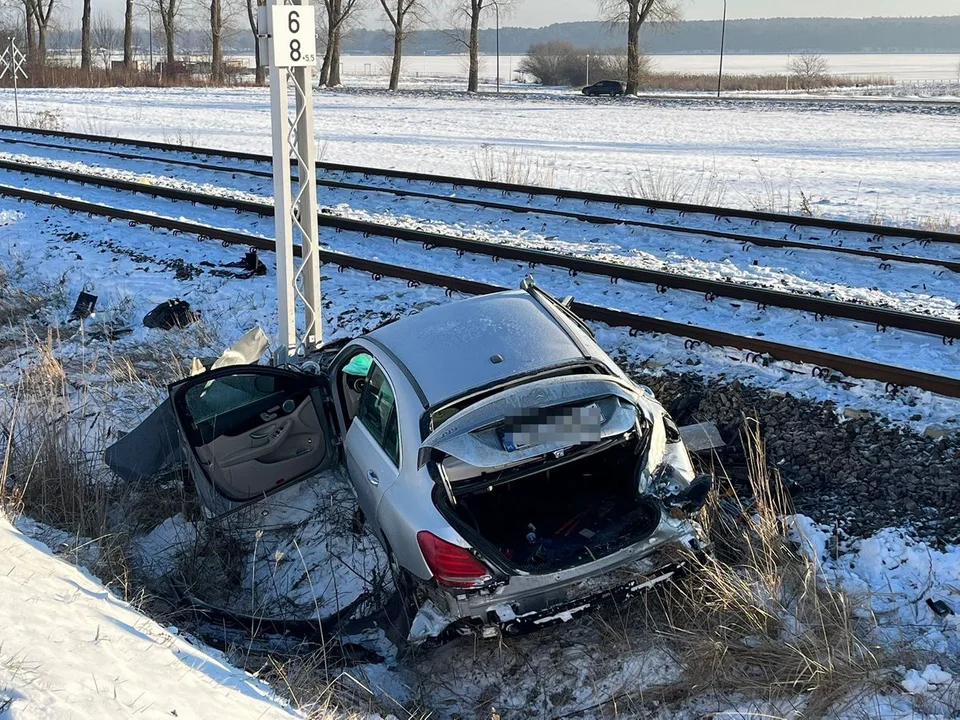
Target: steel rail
821	308
877	231
744	239
894	377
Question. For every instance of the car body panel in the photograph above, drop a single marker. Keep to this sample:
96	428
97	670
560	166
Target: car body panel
540	595
451	348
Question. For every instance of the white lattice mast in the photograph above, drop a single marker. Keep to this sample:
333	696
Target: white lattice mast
288	30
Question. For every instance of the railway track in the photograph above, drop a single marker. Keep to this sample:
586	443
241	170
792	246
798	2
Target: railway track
821	308
821	363
777	236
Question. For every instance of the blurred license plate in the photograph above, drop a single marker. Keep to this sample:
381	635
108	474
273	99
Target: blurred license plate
572	426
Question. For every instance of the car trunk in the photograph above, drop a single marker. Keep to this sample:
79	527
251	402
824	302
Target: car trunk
560	517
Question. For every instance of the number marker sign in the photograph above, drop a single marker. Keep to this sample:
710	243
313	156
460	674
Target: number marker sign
294	42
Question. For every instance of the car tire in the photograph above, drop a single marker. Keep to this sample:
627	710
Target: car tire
403	606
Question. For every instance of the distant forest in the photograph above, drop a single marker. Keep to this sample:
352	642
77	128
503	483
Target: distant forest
776	36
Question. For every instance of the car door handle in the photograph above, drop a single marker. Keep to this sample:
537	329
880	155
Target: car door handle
372	477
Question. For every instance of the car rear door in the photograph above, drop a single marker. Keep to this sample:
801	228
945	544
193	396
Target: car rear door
250	431
372	444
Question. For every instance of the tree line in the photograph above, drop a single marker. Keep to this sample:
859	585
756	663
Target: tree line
465	25
222	18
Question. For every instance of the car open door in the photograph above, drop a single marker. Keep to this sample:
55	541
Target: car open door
249	431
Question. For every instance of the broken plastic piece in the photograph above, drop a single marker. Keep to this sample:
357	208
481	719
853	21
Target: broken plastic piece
84	307
703	437
939	607
430	622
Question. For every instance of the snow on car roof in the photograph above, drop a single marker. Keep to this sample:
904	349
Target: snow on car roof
450	349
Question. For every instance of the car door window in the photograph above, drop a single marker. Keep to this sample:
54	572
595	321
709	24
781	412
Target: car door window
378	413
239	402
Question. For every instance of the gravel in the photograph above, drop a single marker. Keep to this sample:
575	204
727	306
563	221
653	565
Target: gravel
859	473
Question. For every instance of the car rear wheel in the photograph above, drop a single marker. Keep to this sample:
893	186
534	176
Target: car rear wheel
402	607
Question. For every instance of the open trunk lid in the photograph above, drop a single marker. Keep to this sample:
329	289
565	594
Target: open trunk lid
536	419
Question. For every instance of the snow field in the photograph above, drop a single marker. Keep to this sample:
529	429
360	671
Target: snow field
549	672
856	162
555	673
70	649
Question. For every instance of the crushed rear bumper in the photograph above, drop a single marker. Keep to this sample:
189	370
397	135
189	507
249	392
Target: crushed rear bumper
491	616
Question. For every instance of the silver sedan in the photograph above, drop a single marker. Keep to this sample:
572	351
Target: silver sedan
512	471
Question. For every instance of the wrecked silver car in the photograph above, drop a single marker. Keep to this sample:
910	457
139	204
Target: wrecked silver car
513	473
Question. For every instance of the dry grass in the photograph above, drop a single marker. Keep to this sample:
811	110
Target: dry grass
512	165
755	618
690	82
671	184
320	690
52	472
55	75
16	304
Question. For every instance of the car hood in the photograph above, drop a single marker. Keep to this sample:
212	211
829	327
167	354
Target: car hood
539	418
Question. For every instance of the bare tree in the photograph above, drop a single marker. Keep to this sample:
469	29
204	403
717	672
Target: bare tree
260	69
169	12
467	19
42	12
633	14
216	41
560	63
223	25
30	29
86	55
339	13
107	38
397	12
128	35
809	70
557	62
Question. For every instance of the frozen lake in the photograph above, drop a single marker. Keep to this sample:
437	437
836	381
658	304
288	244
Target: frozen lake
903	68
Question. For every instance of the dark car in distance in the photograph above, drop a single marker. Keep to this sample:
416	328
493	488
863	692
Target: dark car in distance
606	87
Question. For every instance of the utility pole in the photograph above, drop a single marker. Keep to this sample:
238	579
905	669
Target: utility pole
588	68
288	30
496	7
150	33
723	37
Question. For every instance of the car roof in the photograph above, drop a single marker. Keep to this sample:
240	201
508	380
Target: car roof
448	349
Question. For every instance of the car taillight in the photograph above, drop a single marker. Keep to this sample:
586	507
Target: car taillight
451	564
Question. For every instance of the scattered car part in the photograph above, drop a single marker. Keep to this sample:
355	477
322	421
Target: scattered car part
84	307
172	314
702	438
939	607
248	350
149	449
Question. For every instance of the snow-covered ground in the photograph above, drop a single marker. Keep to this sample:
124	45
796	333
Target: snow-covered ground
295	566
70	649
858	162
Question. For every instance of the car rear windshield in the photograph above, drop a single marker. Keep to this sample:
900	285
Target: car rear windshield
440	415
